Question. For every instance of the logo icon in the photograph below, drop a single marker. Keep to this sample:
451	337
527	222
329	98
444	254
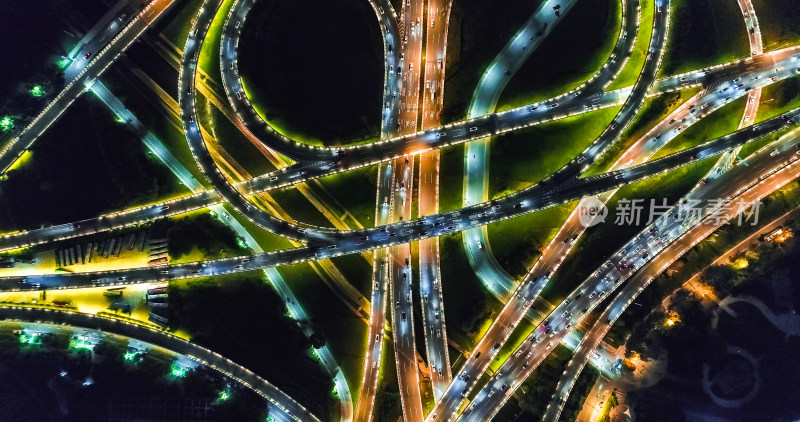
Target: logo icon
591	211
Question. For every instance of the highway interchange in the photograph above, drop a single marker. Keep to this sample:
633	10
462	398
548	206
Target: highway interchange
413	91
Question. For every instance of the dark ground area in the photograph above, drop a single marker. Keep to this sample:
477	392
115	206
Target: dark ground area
247	322
315	68
84	165
33	390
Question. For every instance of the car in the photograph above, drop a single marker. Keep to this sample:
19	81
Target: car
87	55
477	355
480	245
504	387
473	129
438	333
377	337
496	346
548	345
411	67
491	393
402	56
403	316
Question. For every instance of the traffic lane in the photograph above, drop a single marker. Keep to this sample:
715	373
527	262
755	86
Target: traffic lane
643	277
380	278
403	312
474	129
633	102
373	355
17	146
110	25
529	200
611	133
477	153
199	149
609	274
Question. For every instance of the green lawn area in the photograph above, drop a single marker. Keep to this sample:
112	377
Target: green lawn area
478	30
209	54
516	338
588	32
179	21
355	190
231	139
778	98
357	271
344	332
779	22
517	242
267	241
652	112
525	156
451	178
469	307
245	320
632	69
723	121
314	70
298	207
720	26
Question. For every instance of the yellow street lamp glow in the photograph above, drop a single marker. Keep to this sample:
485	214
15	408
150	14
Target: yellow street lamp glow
740	263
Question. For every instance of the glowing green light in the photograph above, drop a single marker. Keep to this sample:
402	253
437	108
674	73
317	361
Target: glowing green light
224	395
177	371
6	123
241	243
37	91
30	339
130	356
80	344
119	119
